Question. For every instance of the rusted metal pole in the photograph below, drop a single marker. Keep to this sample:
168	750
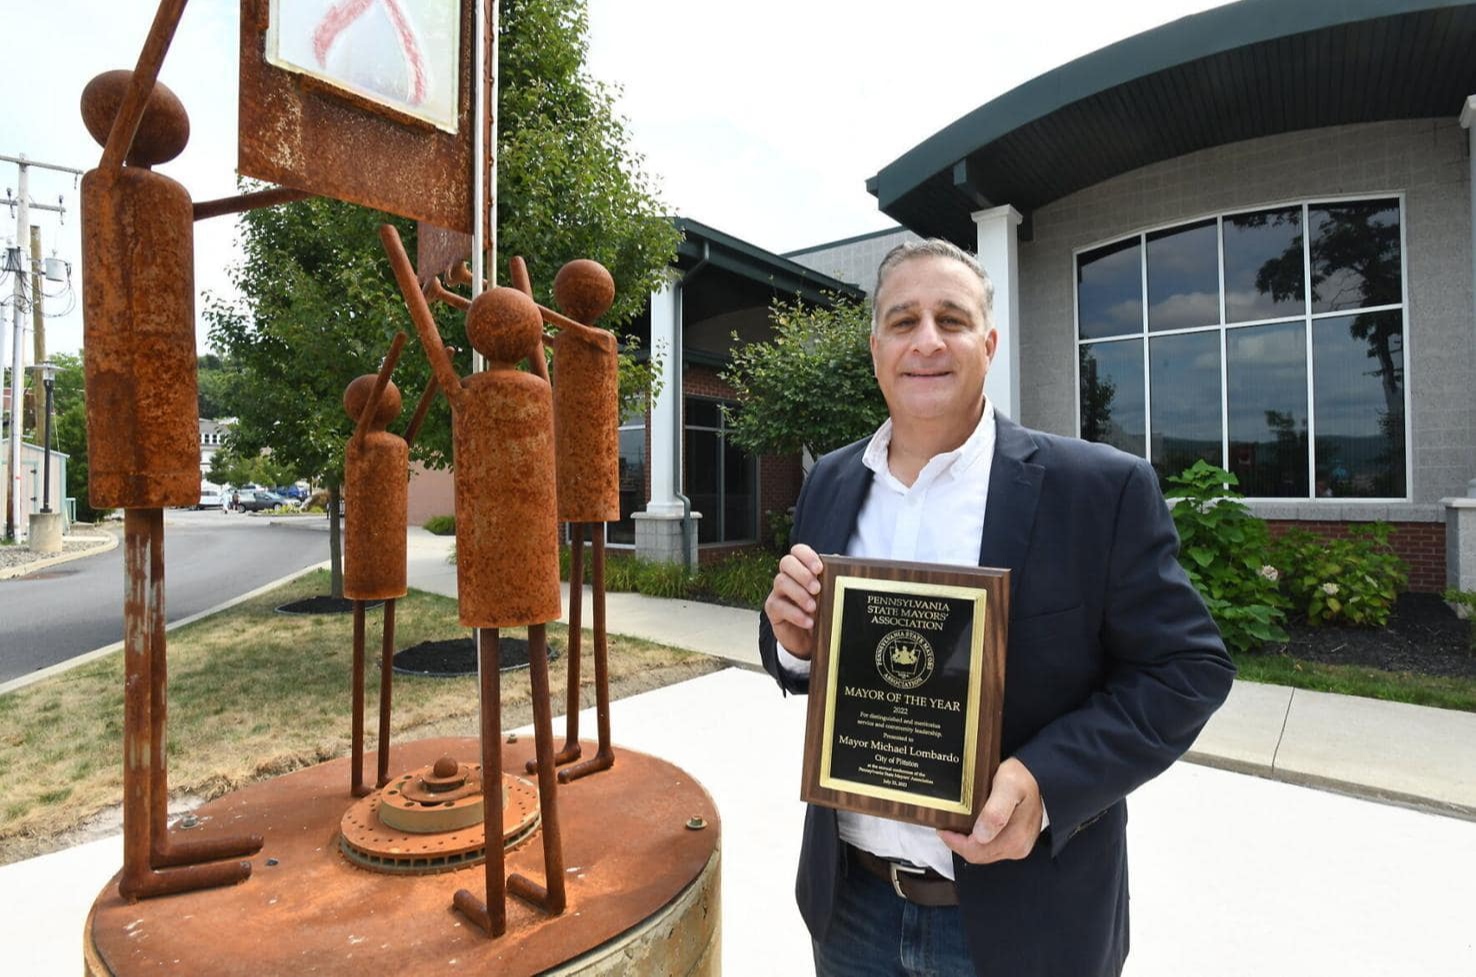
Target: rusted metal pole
604	757
371	407
145	786
571	750
550	896
137	769
423	407
490	915
145	74
386	673
164	850
356	748
206	209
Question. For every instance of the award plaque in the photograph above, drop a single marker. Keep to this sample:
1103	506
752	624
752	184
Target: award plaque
906	690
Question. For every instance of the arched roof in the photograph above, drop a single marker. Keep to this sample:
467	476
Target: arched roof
1248	69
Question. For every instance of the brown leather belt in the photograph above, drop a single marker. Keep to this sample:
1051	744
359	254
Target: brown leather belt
922	886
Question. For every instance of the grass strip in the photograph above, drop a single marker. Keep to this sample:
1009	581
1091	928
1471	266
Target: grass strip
253	694
1445	692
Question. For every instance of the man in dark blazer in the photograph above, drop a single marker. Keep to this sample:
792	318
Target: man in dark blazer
1113	664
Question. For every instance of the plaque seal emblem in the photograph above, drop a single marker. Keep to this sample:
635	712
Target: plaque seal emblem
904	659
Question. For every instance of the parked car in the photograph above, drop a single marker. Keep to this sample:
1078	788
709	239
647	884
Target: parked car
291	492
261	500
210	498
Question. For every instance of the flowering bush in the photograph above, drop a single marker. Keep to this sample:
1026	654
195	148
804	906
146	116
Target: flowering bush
1224	550
1342	581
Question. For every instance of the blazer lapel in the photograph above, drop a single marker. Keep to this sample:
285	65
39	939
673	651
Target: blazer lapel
1009	511
839	519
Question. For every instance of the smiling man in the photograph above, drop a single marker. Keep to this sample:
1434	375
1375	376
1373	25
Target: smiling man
1113	664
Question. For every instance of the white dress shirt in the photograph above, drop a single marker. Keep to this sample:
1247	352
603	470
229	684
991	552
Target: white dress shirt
938	519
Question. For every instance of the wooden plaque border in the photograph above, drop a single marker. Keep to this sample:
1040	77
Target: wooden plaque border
995	583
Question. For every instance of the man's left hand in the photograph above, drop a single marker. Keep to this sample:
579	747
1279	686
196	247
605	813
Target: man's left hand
1010	823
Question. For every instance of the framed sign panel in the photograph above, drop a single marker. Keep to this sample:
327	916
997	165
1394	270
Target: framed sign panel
906	690
369	101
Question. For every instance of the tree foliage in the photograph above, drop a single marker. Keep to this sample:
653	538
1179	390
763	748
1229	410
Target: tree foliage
69	431
811	386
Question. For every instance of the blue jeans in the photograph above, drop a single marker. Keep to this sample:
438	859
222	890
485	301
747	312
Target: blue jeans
876	933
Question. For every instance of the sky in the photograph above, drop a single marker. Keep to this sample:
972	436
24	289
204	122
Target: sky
763	119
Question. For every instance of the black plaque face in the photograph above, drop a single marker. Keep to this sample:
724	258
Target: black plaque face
902	708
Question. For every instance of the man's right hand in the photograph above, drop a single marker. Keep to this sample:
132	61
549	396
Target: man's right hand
791	604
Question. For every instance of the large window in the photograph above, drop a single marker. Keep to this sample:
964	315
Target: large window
721	480
632	479
1270	343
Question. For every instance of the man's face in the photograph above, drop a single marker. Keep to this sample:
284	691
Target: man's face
931	351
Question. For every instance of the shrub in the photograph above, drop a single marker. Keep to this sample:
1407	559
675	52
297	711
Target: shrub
625	573
1342	581
1225	549
441	525
781	524
744	578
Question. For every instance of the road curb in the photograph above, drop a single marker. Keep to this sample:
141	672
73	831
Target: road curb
108	542
1334	785
91	656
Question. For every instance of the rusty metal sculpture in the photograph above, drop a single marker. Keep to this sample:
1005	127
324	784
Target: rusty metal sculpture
376	473
139	323
506	546
587	450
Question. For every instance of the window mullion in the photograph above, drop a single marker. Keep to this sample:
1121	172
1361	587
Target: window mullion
1147	363
1307	328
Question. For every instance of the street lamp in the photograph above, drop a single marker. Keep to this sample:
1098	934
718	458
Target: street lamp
48	373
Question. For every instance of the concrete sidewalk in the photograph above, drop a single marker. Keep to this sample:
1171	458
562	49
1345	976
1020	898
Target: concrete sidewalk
1386	751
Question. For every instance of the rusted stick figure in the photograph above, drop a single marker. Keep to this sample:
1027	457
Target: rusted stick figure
506	548
376	473
139	325
587	448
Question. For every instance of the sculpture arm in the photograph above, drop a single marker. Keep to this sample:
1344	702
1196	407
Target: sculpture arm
371	406
145	74
518	272
435	351
422	408
435	290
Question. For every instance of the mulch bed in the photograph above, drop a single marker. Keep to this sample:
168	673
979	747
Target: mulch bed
323	605
1424	636
458	656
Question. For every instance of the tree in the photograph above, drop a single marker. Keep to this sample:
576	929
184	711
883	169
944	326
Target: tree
321	305
69	428
811	386
212	375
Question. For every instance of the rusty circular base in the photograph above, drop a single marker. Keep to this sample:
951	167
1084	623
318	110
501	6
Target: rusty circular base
367	841
628	853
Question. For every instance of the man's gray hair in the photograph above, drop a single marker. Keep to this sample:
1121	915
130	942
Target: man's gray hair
933	247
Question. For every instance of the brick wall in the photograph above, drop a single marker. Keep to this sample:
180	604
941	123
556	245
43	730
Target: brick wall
1419	544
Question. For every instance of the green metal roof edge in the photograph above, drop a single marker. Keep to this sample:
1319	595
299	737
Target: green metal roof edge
1178	42
853	239
755	263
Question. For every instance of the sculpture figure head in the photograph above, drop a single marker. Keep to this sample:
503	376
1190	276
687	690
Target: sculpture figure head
584	290
357	395
503	325
163	131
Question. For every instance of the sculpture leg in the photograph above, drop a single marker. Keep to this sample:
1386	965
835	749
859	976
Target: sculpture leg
550	896
147	855
604	758
356	749
491	915
386	681
571	750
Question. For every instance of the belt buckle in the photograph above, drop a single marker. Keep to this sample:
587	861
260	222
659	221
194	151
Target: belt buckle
894	868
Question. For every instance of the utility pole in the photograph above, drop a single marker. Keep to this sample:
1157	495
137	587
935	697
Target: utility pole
38	330
15	260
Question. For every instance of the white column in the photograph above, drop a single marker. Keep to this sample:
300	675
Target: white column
999	253
666	324
1468	122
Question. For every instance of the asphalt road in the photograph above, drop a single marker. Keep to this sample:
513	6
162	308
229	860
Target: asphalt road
72	608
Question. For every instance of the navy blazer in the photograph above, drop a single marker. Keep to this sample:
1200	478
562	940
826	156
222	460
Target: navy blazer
1113	667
